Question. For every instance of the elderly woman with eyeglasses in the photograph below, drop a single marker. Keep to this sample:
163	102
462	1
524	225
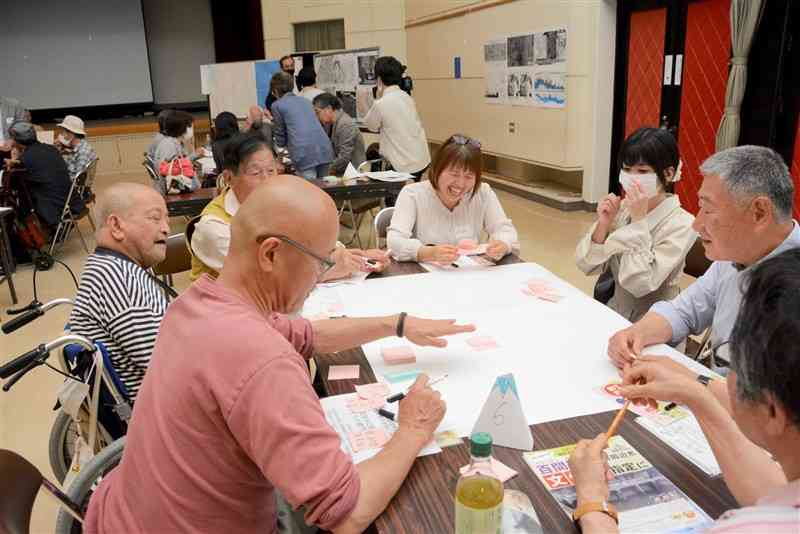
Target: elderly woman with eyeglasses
434	219
248	163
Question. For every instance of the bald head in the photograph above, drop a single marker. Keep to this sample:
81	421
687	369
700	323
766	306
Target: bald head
281	270
119	199
284	205
132	219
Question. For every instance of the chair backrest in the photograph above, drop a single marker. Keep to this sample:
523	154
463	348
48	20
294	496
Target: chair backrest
178	259
21	482
91	171
696	262
382	221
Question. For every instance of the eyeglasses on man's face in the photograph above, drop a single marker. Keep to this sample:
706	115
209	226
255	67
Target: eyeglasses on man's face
325	265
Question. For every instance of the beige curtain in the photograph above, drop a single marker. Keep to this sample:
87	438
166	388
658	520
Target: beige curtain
745	15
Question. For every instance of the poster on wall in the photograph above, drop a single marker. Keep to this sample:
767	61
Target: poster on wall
350	75
495	57
527	69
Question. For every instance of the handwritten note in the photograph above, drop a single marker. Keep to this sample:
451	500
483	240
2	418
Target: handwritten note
374	438
542	290
358	405
343	372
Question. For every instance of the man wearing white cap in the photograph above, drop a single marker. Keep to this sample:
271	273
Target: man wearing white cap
77	152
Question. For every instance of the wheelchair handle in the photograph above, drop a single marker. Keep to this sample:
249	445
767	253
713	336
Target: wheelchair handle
14	379
35	310
22	361
21	320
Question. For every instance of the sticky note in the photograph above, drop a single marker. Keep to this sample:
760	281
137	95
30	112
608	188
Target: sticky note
474	251
467	244
501	470
398	355
481	343
371	439
343	372
448	438
403	376
376	390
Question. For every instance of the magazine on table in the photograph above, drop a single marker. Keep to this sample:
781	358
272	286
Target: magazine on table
644	498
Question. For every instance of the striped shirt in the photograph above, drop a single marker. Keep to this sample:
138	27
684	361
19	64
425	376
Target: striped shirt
776	513
121	305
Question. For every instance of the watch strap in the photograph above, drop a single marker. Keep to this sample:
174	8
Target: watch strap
601	506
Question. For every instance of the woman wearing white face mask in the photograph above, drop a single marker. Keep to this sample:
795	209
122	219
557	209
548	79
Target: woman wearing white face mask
640	242
74	147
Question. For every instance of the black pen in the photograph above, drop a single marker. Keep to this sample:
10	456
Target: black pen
670	406
386	413
402	395
454	265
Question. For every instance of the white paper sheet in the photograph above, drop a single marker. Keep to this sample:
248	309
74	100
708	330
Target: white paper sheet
556	351
686	437
344	422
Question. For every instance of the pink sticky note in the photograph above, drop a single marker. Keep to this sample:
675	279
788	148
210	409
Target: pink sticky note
343	372
481	343
549	296
398	355
500	469
371	391
467	244
480	249
371	439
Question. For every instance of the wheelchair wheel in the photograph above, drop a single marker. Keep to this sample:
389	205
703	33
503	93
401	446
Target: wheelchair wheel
62	444
81	489
63	436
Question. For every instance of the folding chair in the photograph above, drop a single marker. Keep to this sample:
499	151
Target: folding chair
358	209
68	220
158	182
6	255
381	224
177	260
87	192
22	481
696	266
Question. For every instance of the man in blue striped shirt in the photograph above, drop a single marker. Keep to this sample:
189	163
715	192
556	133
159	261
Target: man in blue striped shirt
119	303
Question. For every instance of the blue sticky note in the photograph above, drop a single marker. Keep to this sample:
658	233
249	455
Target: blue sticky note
402	376
457	67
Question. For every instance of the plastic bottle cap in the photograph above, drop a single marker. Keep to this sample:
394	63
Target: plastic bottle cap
480	444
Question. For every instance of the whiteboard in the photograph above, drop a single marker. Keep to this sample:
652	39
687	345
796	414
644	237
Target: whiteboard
230	87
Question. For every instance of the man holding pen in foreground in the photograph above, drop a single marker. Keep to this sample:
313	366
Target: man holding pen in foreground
755	436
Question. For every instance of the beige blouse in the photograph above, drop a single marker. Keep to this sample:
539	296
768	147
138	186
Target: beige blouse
420	219
646	257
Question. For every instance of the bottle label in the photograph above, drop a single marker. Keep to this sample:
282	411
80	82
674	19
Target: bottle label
479	521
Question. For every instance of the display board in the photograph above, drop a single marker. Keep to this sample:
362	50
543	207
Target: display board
350	75
527	69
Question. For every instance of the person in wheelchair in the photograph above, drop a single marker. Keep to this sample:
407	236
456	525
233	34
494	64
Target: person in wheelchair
119	303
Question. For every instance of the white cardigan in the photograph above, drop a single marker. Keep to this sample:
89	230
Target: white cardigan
420	219
646	257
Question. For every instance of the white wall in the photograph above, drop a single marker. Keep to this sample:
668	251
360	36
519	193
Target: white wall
366	24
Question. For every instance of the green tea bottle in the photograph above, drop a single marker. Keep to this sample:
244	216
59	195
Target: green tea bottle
479	493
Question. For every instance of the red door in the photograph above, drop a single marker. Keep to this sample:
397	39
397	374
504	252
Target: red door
705	78
645	66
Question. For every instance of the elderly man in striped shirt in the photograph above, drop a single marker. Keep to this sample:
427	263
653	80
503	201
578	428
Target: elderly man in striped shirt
751	419
118	302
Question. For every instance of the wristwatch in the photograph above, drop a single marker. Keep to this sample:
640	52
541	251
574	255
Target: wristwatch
703	379
588	507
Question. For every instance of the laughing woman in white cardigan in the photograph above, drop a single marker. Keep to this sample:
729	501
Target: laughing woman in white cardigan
642	240
453	207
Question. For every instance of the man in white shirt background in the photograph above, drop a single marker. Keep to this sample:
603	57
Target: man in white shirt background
403	142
